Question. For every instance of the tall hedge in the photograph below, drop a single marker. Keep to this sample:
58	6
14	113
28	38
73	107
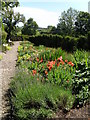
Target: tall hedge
66	42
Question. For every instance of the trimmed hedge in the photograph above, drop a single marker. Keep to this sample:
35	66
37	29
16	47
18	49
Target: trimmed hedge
67	43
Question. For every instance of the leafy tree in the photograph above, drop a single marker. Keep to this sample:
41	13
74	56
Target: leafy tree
67	22
30	27
10	19
52	29
82	24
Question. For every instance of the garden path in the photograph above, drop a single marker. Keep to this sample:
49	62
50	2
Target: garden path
7	70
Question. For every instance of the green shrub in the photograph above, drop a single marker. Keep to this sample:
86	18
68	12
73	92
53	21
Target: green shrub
34	99
3	36
62	76
82	42
81	79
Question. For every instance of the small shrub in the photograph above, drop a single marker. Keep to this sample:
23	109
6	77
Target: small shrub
3	36
81	83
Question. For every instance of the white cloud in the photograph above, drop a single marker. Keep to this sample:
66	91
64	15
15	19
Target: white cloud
41	16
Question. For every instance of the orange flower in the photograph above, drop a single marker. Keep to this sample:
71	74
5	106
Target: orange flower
66	61
41	60
58	64
34	72
49	68
62	62
42	66
59	59
46	72
70	63
37	59
54	62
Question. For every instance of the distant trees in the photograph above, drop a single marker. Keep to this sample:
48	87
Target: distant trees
73	23
67	22
30	27
82	24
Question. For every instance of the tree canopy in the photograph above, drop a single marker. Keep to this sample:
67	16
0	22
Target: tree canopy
82	24
10	18
30	27
67	22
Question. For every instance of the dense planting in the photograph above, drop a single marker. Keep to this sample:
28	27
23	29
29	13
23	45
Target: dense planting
52	80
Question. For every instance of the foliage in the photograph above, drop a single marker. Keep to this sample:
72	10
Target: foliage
30	27
5	47
33	99
3	36
47	81
82	24
10	19
47	63
81	83
67	22
67	43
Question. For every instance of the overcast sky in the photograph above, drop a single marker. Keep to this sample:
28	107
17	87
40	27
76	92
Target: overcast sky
47	12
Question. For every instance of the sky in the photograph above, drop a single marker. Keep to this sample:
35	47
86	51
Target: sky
48	12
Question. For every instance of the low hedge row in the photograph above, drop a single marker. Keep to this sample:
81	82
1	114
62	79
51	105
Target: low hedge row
66	42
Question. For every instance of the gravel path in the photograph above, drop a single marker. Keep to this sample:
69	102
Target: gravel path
7	70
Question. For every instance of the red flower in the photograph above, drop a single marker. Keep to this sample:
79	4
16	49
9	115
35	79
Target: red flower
59	59
66	61
46	72
41	60
70	63
49	68
42	66
37	59
34	72
58	64
62	62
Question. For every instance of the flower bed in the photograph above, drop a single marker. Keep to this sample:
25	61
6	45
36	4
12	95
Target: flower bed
51	73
